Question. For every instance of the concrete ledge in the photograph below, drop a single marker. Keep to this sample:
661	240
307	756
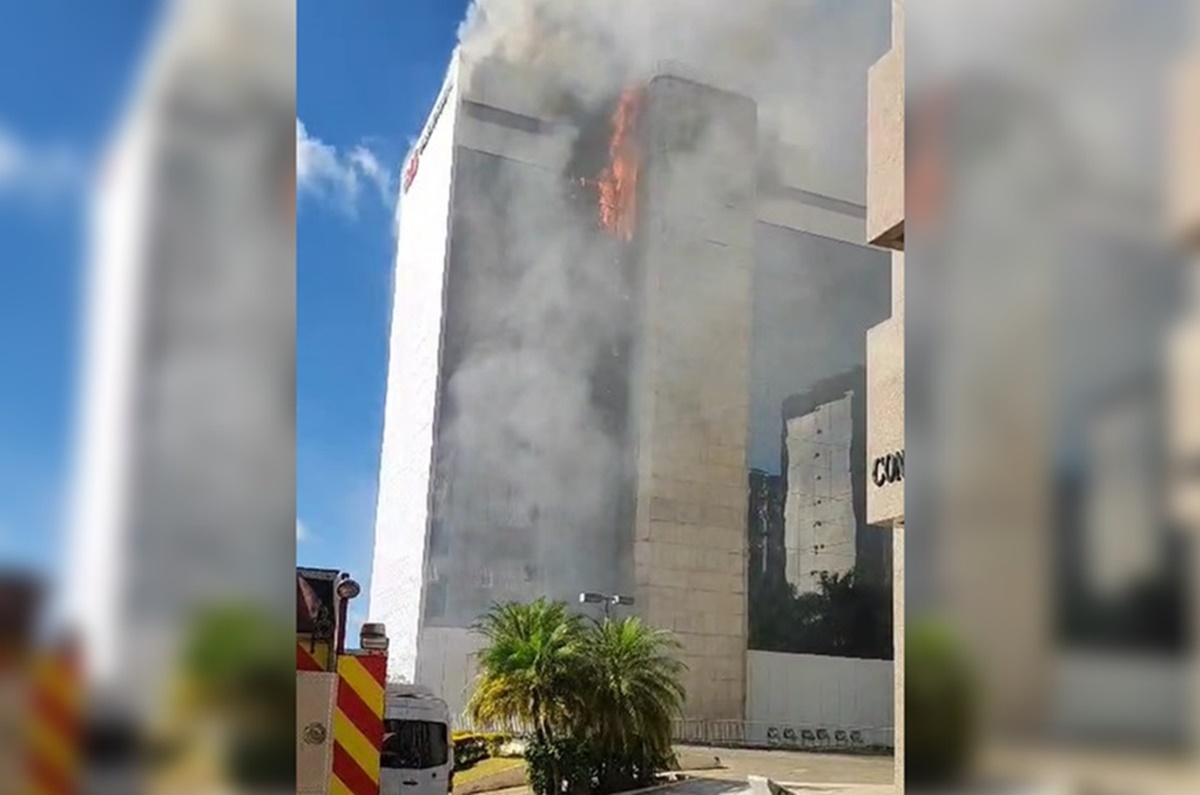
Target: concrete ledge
885	151
1185	153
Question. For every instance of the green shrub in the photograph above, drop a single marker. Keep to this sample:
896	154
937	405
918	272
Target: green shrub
469	750
583	769
470	747
567	760
940	710
496	742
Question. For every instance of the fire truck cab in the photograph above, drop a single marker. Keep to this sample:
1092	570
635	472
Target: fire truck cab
339	691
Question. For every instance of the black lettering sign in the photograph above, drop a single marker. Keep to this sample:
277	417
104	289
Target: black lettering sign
888	469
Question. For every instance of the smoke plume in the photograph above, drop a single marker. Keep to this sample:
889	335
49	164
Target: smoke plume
540	304
804	61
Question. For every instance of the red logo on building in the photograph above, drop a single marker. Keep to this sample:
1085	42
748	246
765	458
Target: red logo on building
410	173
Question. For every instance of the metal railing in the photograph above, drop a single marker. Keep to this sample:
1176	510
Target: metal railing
783	736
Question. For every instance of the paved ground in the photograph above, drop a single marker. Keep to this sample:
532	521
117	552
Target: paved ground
821	774
792	766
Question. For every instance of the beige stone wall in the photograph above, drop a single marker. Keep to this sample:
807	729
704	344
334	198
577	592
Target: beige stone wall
691	395
1183	347
1183	396
898	648
885	151
885	342
1185	170
885	434
885	401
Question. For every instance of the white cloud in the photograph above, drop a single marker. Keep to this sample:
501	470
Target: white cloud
36	172
368	164
302	532
323	172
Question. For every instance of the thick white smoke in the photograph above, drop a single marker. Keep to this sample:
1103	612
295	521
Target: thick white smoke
804	61
522	424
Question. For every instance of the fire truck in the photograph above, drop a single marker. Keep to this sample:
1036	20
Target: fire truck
340	692
40	697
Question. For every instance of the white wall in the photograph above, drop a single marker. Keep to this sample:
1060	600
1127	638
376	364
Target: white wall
401	518
446	665
1125	696
806	691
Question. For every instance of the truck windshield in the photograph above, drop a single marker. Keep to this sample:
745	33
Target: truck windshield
414	745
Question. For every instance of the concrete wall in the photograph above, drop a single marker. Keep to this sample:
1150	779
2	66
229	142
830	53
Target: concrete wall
805	691
447	667
885	435
1185	167
401	521
1183	345
885	401
885	150
690	395
885	342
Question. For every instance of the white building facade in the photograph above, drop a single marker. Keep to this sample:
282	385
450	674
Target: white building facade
185	485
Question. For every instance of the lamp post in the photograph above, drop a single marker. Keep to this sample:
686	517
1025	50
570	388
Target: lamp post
346	590
608	600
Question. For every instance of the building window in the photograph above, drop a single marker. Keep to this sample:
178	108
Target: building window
435	600
505	118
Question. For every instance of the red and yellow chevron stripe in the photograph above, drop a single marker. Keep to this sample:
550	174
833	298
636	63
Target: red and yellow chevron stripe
312	656
358	724
55	724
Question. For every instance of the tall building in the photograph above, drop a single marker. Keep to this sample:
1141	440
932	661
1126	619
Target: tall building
825	455
594	325
189	385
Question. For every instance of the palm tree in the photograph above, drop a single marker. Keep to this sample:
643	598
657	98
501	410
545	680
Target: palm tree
635	691
599	699
529	668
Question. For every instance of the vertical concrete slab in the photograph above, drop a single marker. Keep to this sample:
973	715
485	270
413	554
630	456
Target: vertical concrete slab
885	342
691	395
1185	154
885	151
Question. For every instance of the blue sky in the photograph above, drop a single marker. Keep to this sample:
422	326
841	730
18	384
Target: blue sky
63	68
367	74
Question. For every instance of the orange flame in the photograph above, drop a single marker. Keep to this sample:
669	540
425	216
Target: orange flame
618	182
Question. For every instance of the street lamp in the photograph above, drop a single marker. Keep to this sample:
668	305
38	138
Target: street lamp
346	590
608	600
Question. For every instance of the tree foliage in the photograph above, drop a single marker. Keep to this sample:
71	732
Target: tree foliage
237	669
597	698
848	616
940	706
529	665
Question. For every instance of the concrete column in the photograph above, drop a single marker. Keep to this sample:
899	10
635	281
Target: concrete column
885	144
885	342
898	650
1183	368
695	245
898	24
